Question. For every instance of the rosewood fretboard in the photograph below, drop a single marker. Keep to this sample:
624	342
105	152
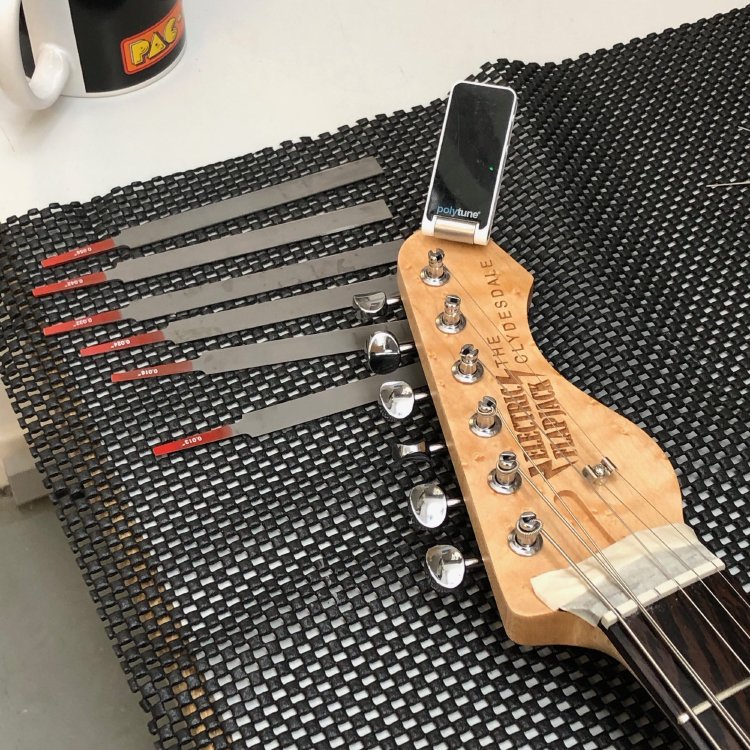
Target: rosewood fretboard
696	620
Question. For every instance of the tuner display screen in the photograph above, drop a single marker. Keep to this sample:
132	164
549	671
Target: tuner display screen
472	152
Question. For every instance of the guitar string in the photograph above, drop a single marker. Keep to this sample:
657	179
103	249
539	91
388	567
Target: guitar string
728	580
735	588
608	603
613	573
651	554
609	570
601	559
703	553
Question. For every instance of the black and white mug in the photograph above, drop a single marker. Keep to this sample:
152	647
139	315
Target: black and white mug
50	48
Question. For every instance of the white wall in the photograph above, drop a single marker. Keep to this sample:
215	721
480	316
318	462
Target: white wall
11	436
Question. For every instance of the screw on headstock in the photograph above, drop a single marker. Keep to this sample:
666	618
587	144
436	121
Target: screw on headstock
485	422
451	320
505	478
467	368
525	538
446	567
435	273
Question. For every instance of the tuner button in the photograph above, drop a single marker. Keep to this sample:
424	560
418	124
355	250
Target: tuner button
429	505
505	478
369	305
397	399
421	451
446	567
468	368
383	352
435	273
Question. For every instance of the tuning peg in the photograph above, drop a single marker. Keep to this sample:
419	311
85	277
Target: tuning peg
370	305
383	352
451	320
429	505
525	538
435	273
446	567
397	399
421	451
505	478
467	368
485	421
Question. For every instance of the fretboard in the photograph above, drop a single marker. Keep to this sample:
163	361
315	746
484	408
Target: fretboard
708	623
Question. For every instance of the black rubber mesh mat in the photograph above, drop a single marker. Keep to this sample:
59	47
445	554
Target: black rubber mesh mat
269	593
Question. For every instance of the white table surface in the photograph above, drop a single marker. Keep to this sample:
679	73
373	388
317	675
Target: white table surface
258	72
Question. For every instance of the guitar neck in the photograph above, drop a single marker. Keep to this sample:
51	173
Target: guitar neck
708	623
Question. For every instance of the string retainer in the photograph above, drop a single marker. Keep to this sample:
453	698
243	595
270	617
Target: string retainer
599	473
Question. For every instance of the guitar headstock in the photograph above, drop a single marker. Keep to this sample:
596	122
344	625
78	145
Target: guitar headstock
521	438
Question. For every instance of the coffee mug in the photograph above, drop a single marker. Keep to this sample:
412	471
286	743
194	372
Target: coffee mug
85	47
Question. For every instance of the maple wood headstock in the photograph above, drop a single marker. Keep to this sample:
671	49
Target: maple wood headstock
554	429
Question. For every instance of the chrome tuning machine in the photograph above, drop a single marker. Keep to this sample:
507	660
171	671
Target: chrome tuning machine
435	273
397	399
446	567
485	421
421	451
467	368
525	538
505	478
367	306
451	320
429	505
383	352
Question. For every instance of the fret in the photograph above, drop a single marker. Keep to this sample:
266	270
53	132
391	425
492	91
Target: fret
721	696
708	624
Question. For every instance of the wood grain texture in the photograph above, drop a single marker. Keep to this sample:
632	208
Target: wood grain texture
560	428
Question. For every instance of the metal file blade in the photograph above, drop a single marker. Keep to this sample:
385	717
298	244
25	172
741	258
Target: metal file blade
238	288
276	311
299	410
271	352
232	246
252	316
215	213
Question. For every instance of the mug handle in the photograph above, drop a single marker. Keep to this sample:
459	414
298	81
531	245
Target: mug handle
52	64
